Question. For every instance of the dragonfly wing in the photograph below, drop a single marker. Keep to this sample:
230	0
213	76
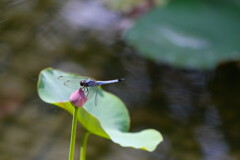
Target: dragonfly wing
66	78
71	82
74	84
91	92
97	92
96	97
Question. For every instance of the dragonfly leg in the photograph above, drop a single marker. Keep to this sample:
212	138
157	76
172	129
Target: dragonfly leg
85	89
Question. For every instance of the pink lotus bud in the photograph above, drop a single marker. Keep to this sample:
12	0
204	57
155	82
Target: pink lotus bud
78	98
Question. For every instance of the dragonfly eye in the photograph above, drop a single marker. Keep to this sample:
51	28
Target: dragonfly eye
81	83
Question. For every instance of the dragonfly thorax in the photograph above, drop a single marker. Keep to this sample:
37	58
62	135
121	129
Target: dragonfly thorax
88	83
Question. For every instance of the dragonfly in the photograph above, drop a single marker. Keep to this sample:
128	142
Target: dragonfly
87	84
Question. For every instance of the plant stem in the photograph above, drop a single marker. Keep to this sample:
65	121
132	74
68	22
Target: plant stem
73	134
84	146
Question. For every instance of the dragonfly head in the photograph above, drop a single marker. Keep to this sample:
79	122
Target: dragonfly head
82	83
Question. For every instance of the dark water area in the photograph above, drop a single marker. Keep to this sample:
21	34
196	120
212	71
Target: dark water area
197	112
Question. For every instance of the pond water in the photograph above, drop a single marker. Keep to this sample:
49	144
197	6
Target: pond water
197	112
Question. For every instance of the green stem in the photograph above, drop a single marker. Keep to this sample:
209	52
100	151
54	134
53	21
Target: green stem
73	134
84	146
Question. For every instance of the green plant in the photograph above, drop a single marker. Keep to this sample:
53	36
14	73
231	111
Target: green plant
109	119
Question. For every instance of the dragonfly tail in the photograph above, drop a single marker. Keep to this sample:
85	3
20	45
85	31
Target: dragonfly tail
120	79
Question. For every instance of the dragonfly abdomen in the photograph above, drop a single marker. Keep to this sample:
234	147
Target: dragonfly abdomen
109	81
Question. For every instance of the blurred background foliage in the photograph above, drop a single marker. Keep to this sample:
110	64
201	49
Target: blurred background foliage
128	5
197	111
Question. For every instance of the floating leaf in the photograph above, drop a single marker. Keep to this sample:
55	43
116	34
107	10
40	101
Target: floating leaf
189	34
109	119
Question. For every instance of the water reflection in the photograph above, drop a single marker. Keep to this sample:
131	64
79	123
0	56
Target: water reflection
212	142
197	112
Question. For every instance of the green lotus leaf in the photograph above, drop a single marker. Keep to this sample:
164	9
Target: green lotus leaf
189	34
